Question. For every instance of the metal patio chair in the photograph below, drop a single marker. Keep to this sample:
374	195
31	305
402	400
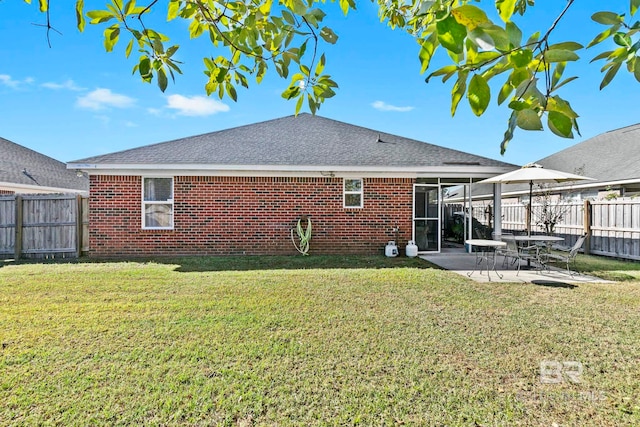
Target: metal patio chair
566	256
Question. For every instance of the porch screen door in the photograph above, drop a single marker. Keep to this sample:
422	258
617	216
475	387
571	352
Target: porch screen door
426	217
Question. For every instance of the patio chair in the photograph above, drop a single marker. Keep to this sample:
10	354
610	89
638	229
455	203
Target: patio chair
503	250
566	256
514	252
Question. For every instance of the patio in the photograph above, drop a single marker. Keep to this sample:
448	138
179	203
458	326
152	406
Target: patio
458	261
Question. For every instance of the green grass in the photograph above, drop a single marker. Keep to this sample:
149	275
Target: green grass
607	268
308	341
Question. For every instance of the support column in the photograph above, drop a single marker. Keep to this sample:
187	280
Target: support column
468	216
497	209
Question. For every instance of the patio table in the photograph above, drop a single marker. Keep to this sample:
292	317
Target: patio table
483	254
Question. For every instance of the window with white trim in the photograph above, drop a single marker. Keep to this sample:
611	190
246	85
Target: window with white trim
157	203
353	193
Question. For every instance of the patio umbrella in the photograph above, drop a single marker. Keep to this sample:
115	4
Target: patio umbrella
530	173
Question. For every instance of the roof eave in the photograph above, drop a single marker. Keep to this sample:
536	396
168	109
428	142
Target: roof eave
206	169
26	188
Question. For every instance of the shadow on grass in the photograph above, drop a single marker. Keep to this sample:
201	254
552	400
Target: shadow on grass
554	284
187	264
246	263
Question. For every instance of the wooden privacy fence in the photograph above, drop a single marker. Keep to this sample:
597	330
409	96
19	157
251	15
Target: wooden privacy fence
44	226
613	226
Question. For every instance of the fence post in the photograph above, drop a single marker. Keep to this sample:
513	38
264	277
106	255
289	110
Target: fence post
79	227
18	229
587	226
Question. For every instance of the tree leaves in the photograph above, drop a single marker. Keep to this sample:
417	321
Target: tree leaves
254	38
427	49
111	36
560	55
505	9
451	34
607	18
528	120
470	16
478	94
560	124
80	15
626	39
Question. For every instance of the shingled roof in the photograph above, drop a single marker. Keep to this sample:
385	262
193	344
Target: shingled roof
22	168
302	141
610	158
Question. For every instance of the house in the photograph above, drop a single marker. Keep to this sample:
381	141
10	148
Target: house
26	171
611	158
242	190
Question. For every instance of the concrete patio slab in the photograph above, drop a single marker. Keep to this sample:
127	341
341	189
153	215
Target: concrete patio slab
464	264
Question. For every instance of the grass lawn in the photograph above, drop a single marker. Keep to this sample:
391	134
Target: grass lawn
310	341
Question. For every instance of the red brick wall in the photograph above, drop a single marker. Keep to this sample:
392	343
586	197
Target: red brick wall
248	215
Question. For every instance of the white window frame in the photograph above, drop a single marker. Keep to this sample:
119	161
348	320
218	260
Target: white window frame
345	193
158	202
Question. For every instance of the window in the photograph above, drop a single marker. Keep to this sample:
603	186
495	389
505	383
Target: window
157	203
353	193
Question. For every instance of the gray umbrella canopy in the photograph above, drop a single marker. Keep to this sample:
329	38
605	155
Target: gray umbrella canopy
534	173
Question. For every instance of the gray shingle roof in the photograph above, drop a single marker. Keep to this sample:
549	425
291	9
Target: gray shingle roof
40	170
305	140
609	157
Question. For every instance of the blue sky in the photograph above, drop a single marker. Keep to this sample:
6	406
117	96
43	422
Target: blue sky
74	100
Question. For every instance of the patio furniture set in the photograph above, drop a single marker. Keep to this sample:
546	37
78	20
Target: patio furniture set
536	249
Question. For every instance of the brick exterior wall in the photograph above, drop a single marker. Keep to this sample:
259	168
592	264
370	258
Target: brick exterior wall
248	215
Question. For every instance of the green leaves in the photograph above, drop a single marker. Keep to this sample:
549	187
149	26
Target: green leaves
480	50
560	55
427	49
528	120
505	9
100	16
607	18
627	40
111	36
80	15
560	124
451	34
316	87
173	10
478	94
328	35
470	16
250	39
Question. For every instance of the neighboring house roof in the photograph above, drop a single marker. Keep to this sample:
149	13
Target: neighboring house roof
305	142
611	158
26	171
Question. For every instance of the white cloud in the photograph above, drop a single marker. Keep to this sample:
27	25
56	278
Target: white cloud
6	80
195	105
383	106
69	85
102	98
